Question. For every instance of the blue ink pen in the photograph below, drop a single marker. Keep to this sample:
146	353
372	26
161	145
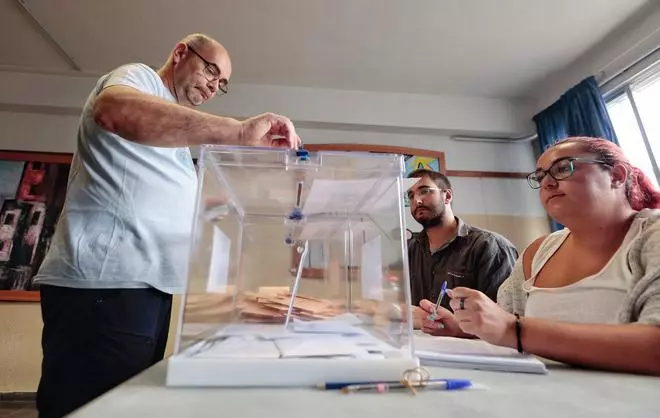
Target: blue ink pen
443	291
451	383
448	384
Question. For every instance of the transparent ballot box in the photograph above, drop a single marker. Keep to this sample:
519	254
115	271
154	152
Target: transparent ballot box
298	271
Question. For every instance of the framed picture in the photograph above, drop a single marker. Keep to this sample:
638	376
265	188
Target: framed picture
32	193
414	158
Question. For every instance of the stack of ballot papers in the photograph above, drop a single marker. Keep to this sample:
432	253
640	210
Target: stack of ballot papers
255	307
263	307
473	354
310	339
208	307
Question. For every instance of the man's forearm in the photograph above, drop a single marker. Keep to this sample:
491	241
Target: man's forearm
151	121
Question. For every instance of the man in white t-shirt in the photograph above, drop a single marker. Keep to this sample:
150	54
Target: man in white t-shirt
120	248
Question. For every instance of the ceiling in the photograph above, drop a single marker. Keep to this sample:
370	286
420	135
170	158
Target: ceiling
480	48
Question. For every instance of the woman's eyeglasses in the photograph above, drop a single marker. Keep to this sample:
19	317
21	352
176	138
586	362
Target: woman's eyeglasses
561	169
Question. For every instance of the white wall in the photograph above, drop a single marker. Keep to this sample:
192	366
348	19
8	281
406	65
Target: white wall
414	111
37	132
57	132
460	155
635	39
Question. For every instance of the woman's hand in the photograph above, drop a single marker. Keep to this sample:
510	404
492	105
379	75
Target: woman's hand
478	315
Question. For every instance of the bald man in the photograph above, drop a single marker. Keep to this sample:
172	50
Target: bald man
120	248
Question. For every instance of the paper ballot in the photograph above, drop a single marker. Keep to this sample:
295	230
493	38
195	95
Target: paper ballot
240	347
219	266
328	196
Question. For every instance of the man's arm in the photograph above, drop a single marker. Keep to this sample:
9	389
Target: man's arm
494	265
149	120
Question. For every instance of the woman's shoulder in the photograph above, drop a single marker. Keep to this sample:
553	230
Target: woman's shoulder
648	240
537	251
650	217
648	228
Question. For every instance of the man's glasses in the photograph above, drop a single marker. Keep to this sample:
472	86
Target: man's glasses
421	192
212	72
561	169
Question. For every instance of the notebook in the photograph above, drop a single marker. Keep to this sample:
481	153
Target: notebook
473	354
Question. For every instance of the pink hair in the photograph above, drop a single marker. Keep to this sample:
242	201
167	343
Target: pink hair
640	190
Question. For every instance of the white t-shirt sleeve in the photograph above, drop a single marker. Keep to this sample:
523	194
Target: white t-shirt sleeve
137	76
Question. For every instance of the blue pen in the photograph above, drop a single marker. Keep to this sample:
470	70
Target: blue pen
447	384
341	385
443	290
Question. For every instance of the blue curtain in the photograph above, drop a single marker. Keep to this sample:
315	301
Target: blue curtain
581	111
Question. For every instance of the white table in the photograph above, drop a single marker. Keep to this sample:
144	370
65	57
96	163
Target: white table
565	392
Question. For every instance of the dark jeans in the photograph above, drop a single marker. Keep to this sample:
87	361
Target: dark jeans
95	339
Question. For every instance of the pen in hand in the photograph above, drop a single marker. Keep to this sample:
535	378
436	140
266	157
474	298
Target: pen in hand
443	290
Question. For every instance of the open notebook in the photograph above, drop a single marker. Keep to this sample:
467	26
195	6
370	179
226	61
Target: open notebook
473	354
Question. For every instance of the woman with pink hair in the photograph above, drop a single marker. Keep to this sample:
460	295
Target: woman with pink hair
587	295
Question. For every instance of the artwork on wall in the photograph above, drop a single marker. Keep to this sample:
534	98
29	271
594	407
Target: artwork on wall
416	162
414	158
32	193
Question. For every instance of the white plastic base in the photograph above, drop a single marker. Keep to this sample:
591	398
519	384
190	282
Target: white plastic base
184	371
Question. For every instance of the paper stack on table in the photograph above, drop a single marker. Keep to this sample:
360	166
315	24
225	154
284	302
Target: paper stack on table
473	354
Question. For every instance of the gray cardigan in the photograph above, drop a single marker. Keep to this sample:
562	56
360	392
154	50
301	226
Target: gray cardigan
642	302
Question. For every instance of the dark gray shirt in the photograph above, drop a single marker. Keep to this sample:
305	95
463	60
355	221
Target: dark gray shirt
474	258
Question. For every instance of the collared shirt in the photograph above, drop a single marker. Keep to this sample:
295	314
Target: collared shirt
474	258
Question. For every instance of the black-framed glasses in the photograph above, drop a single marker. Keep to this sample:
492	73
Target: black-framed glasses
561	169
212	72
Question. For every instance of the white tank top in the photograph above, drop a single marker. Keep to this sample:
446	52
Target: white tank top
593	299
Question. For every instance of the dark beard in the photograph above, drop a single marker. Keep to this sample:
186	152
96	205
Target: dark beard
432	221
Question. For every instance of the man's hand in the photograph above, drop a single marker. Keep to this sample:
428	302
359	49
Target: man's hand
268	130
442	324
418	315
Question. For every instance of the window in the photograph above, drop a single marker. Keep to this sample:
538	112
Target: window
632	110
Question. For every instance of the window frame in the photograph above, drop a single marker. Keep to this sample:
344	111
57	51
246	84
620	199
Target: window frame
625	89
